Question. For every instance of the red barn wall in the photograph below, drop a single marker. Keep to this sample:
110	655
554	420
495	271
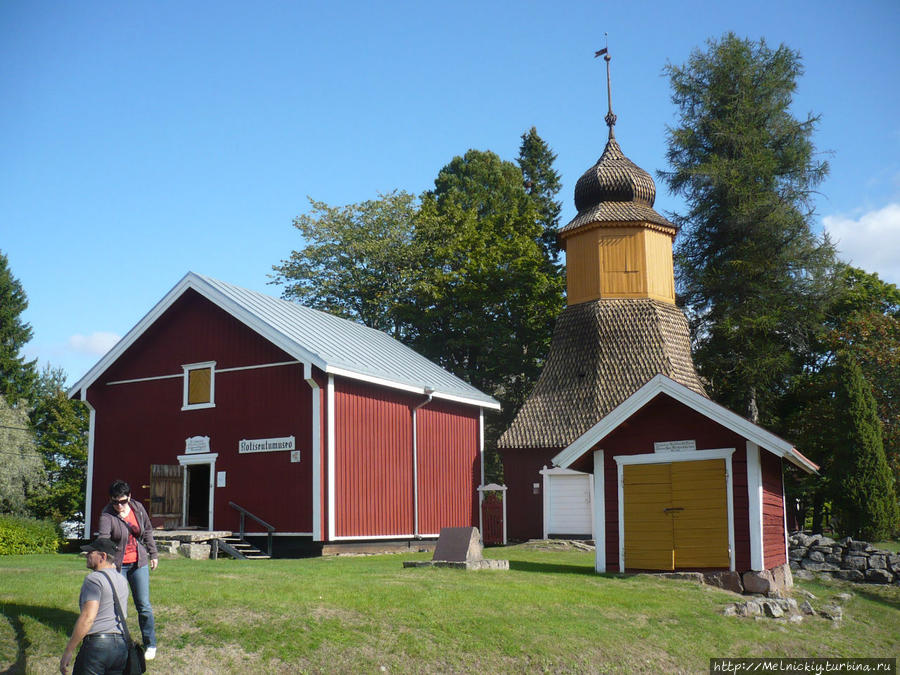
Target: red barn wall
374	491
773	511
141	423
665	419
449	466
373	461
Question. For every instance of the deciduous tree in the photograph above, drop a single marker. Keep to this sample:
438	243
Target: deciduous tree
357	262
21	470
487	297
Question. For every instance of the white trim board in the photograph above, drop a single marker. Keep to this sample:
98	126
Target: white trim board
661	384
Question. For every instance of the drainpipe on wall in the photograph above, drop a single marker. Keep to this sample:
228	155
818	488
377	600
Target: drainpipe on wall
429	392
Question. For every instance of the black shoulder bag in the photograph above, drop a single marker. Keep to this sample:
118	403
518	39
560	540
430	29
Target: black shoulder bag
135	663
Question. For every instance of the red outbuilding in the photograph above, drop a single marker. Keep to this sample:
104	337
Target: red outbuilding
222	399
682	483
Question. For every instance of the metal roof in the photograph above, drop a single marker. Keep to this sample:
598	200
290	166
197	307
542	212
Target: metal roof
333	344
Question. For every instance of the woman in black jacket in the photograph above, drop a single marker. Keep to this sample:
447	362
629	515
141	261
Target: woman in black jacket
126	522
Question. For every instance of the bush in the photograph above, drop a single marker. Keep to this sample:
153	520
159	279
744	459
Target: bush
20	535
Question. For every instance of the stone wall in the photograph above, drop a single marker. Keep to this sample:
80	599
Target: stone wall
845	559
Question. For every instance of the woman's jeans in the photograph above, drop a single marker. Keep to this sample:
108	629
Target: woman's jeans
139	581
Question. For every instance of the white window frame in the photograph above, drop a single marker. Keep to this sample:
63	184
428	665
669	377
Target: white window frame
212	385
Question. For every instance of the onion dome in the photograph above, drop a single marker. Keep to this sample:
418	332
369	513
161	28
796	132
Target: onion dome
615	189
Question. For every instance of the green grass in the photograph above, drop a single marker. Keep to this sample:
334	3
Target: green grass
549	613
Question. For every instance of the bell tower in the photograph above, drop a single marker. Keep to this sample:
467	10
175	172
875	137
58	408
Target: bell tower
617	246
620	328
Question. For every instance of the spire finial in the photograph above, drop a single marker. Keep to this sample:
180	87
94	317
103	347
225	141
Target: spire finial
610	116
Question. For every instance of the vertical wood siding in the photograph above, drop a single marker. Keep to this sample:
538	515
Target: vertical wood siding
373	461
142	423
374	489
449	466
660	269
773	511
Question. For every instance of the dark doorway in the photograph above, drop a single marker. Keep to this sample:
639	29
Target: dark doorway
198	495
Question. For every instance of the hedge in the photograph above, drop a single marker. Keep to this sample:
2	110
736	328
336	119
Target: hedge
20	535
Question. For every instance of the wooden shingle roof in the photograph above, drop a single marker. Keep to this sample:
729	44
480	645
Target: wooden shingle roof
602	352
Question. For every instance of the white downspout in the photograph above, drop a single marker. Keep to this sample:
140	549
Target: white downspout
316	452
429	392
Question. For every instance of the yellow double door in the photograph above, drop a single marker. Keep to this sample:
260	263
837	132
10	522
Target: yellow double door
676	515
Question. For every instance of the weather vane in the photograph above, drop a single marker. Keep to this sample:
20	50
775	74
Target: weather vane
610	117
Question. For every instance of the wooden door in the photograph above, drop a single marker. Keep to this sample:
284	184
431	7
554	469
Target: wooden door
701	526
570	505
676	515
166	492
649	533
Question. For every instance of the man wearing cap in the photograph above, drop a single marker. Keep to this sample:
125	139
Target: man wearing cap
103	647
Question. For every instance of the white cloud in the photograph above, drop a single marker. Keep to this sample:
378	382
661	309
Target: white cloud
97	343
871	241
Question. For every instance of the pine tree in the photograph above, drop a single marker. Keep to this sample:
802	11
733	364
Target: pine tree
864	495
17	376
542	182
753	276
60	427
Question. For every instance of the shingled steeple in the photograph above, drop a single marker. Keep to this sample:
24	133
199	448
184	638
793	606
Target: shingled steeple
621	326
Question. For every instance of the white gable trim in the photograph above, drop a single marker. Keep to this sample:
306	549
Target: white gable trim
239	312
192	281
661	384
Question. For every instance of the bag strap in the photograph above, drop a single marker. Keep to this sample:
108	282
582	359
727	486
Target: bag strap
119	614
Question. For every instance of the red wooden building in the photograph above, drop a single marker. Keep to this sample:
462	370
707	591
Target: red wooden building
325	429
681	482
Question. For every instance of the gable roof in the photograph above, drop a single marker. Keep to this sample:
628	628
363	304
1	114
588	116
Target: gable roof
663	385
335	345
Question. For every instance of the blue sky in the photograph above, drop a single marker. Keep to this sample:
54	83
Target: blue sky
143	140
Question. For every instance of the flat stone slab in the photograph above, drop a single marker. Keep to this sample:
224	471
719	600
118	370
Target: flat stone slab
188	536
482	564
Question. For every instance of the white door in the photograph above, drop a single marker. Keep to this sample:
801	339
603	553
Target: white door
570	505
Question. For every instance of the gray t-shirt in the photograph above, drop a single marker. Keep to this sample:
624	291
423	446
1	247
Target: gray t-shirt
95	587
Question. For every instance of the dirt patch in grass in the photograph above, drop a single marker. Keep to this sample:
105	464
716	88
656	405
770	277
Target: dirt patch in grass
344	616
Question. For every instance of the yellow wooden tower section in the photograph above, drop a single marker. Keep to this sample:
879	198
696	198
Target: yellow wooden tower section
617	246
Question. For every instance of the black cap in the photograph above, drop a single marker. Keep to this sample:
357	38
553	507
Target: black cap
102	544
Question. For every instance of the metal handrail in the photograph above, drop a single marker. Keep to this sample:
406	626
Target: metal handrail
244	512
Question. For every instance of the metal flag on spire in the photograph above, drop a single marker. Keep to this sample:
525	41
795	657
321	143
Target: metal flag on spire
610	117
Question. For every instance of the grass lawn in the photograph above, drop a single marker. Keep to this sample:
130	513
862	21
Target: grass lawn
549	613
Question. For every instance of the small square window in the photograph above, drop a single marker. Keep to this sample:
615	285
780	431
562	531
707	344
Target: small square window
199	386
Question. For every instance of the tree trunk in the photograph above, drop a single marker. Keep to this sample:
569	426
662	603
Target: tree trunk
752	407
818	500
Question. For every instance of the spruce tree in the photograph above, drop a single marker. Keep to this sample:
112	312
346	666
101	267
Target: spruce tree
542	182
752	274
864	496
17	376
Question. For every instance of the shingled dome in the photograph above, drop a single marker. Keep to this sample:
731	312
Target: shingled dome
615	189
